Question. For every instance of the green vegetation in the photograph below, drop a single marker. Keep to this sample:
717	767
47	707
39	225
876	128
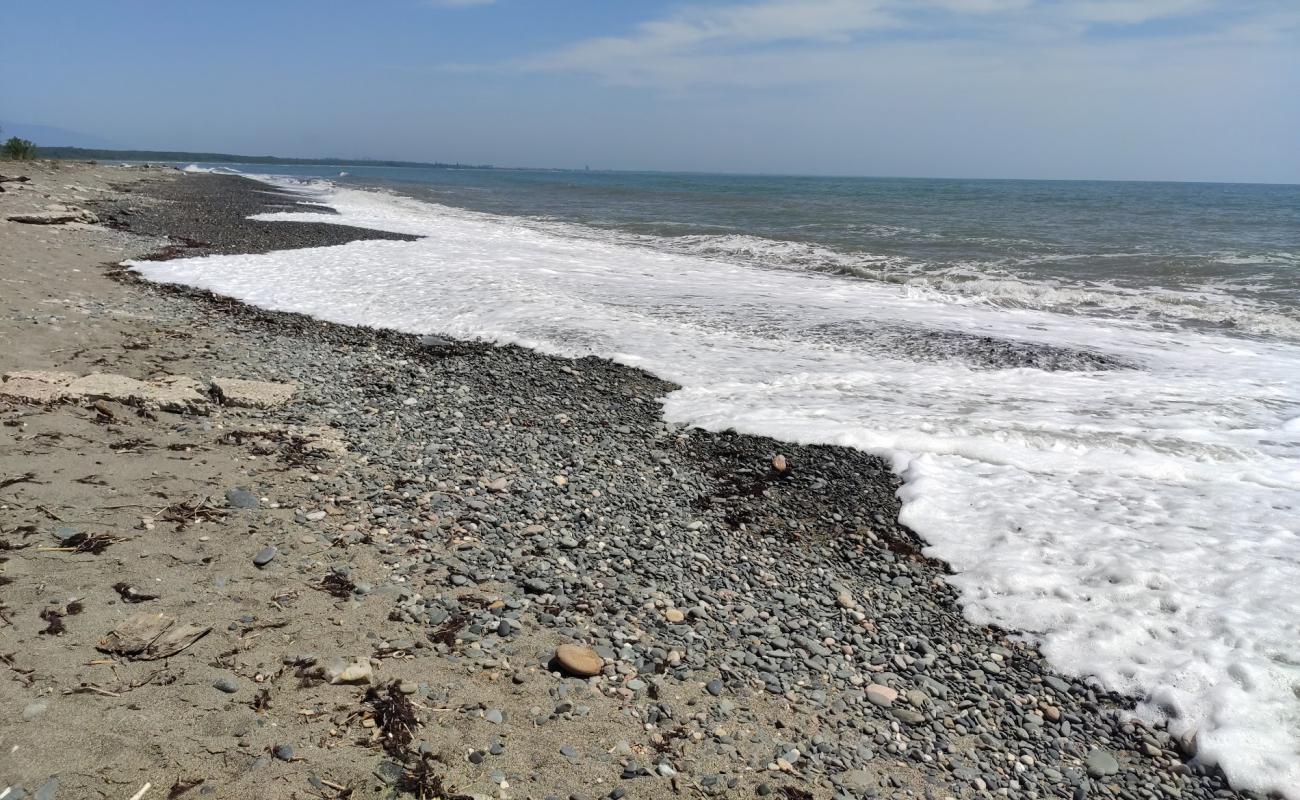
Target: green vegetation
18	149
86	154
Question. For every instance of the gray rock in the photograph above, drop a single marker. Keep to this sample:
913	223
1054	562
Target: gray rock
227	685
35	709
264	556
1100	763
241	498
388	771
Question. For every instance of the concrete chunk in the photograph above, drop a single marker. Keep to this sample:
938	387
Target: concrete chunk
172	393
59	217
36	387
252	394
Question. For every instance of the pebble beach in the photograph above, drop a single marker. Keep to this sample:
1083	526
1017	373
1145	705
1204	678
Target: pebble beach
439	568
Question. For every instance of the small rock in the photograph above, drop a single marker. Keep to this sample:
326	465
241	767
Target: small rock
227	685
284	752
241	498
579	661
389	772
779	464
714	687
33	710
356	672
674	615
494	716
264	556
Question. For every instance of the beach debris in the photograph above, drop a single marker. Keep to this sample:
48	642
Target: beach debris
148	637
240	393
70	542
336	584
13	480
394	717
359	671
141	793
57	216
131	594
578	661
180	787
171	393
36	387
54	617
187	513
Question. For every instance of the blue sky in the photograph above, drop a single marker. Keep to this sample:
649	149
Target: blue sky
1131	89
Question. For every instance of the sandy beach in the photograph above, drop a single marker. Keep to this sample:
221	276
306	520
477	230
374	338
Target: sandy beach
351	578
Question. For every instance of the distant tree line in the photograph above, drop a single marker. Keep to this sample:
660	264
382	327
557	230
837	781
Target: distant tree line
87	154
16	149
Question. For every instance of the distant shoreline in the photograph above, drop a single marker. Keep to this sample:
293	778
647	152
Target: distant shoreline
88	154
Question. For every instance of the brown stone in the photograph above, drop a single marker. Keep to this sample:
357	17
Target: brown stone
579	661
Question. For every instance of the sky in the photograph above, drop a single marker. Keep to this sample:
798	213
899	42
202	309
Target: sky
1091	89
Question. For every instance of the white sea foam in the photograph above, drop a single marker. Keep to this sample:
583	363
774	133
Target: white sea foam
1001	284
1143	524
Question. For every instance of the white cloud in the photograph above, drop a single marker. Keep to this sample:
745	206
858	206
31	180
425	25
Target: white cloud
789	42
1133	12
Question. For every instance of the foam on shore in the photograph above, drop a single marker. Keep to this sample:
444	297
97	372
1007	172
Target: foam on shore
1141	522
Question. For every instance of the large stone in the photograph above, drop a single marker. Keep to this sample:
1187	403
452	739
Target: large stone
579	661
1101	763
252	394
857	781
881	695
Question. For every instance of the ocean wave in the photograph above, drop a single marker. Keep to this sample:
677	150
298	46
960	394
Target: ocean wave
1221	305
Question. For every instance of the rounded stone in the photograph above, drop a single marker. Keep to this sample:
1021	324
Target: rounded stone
582	662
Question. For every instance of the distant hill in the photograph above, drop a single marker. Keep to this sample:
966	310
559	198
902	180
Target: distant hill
88	154
48	134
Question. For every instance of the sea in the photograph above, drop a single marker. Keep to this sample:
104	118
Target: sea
1090	390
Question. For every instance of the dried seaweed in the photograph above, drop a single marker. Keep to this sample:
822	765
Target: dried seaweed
27	477
395	720
94	543
181	787
131	594
421	780
337	585
185	514
261	701
54	622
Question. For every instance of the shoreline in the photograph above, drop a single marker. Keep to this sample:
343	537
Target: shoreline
762	569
